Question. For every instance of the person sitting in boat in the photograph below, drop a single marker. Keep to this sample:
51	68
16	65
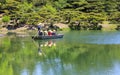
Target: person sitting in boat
40	32
54	32
45	33
50	32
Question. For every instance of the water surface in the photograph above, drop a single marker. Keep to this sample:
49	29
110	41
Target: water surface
78	53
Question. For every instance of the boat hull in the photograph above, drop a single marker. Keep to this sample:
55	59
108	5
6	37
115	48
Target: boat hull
48	37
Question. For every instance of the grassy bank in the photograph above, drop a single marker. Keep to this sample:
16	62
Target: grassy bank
108	27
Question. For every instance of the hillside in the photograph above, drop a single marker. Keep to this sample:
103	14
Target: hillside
88	13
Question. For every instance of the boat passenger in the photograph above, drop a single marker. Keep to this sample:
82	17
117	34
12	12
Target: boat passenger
45	33
49	32
40	32
54	32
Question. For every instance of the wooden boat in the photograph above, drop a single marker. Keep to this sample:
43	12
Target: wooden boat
48	37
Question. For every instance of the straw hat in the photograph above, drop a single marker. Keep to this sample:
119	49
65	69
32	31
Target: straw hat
49	30
54	30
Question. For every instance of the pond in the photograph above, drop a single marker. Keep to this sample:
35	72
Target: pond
78	53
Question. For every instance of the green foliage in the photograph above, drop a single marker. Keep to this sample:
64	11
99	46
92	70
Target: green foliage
2	1
50	9
5	18
114	17
60	4
67	11
25	7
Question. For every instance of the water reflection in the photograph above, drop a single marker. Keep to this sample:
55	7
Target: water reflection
48	43
21	56
40	52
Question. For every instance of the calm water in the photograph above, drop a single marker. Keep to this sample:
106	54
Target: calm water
78	53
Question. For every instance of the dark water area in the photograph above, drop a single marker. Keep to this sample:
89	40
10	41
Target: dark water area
78	53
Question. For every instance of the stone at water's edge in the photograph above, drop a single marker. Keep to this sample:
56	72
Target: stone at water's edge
61	25
1	35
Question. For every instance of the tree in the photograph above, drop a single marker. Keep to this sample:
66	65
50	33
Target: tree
3	1
60	4
5	20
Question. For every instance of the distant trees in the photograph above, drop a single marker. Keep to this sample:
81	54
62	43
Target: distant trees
86	12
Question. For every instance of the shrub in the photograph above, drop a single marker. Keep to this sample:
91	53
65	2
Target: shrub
5	19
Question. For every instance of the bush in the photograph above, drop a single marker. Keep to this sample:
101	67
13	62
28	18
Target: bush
5	19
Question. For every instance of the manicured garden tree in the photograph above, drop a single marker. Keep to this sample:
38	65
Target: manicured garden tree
25	13
60	4
49	14
66	11
94	22
110	6
114	17
68	15
5	20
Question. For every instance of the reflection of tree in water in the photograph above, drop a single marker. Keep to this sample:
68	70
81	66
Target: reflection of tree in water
14	57
78	57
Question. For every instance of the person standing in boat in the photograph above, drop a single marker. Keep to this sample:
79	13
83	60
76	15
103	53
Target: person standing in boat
39	27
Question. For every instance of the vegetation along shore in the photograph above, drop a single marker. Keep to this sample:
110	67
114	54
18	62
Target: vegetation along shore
23	15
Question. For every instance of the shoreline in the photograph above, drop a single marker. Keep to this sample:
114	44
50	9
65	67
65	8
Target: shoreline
25	28
62	27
